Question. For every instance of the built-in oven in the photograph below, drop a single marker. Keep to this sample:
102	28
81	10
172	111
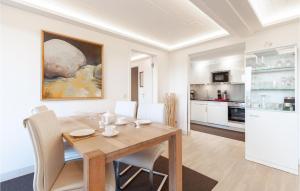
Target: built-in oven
236	112
218	77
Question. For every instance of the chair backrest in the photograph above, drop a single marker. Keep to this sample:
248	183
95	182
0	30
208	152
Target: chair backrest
47	142
39	109
154	112
126	108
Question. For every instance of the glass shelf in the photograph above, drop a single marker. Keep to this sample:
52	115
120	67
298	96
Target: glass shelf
271	79
267	70
270	109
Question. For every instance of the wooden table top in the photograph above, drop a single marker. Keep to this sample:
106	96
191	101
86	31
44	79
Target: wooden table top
129	140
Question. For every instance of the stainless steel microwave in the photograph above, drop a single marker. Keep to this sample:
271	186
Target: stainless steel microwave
220	76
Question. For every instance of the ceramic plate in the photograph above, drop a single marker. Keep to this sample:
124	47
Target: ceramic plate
144	122
110	135
82	132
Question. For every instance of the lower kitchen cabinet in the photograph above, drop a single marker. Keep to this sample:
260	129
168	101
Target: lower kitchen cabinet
210	112
272	139
217	113
199	111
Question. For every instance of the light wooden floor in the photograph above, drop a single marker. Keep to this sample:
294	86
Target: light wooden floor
223	160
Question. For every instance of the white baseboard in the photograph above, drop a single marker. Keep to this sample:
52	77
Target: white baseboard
16	173
272	165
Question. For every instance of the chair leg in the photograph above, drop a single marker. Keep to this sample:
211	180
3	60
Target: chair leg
117	176
151	179
151	175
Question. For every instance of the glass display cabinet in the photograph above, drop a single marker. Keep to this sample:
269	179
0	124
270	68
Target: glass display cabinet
271	125
271	79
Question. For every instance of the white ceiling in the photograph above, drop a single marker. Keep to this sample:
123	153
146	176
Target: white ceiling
168	24
274	11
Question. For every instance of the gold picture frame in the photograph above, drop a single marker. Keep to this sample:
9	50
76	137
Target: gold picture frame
72	68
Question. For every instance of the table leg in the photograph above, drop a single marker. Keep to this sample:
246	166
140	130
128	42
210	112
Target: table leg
94	171
175	162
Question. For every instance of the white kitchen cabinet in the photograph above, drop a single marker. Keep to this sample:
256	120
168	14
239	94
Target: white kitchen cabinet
272	139
237	76
200	74
217	113
199	111
237	71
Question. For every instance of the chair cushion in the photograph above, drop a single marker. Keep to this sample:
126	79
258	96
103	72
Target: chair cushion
71	153
70	178
143	159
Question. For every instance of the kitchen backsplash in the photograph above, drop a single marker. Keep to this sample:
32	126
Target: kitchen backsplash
236	92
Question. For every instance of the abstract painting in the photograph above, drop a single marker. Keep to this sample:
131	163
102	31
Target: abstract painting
71	68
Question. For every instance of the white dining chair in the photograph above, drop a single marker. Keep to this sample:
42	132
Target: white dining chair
69	152
153	112
144	159
126	108
51	172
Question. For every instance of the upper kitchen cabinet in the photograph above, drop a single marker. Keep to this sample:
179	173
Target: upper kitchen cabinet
201	71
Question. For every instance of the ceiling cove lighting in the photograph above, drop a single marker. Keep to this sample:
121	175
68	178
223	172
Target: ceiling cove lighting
54	9
202	38
273	12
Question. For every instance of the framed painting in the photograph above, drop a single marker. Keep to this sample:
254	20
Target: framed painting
141	79
71	68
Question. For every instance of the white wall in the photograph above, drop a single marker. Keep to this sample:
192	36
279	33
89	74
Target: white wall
20	53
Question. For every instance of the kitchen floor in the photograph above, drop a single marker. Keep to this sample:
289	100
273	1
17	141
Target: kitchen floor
224	160
240	136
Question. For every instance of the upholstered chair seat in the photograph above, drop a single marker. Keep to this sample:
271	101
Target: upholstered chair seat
143	159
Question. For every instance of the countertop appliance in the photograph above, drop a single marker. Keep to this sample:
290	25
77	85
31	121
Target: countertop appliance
192	94
225	95
289	104
219	93
218	77
236	112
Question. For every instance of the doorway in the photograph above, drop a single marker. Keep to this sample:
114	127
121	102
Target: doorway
135	84
143	78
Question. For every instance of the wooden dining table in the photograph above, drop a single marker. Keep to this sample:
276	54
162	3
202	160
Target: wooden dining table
98	150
